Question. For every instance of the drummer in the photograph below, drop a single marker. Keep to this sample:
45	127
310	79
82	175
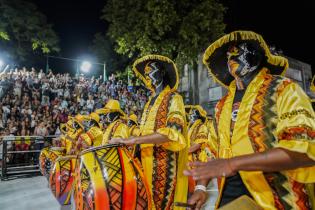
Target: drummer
92	135
116	121
203	143
74	129
163	130
133	125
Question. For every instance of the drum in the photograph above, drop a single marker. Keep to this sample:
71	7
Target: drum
107	177
47	157
44	161
61	178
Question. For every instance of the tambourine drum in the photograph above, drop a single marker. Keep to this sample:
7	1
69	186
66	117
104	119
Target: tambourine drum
61	178
47	157
107	177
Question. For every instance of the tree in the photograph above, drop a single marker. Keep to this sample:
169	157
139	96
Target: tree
103	48
180	29
24	30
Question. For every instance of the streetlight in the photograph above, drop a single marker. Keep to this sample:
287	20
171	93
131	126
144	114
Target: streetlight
86	66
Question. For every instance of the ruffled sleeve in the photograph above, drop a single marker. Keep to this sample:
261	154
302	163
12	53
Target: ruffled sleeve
175	125
122	131
208	142
296	128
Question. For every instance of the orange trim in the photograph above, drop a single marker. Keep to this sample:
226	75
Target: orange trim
129	182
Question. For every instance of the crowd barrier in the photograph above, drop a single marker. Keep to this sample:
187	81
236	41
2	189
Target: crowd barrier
20	154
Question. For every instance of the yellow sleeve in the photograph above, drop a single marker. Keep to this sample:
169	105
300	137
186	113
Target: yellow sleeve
135	131
175	125
122	131
296	128
212	137
208	143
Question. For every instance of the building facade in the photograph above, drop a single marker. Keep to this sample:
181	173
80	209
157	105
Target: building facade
199	88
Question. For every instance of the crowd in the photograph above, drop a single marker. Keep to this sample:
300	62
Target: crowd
33	103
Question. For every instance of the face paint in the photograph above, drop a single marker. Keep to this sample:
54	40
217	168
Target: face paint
130	123
111	117
195	115
153	74
242	60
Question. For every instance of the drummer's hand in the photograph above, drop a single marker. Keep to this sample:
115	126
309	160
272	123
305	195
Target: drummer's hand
194	148
211	169
198	198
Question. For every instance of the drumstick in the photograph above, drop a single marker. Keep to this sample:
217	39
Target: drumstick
185	205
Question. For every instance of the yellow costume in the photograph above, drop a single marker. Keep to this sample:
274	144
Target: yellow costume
73	131
117	128
203	133
274	112
134	130
94	135
164	164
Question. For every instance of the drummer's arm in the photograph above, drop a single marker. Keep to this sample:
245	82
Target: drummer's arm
155	138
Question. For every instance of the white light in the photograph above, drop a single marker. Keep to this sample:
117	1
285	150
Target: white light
86	66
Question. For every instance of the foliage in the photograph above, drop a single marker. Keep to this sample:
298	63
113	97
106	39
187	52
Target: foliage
24	30
180	29
103	48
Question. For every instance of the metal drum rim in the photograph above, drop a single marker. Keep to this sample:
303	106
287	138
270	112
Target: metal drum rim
66	157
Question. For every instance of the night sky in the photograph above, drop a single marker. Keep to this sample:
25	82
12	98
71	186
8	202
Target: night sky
285	24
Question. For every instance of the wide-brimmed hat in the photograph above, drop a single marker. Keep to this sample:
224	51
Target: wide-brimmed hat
215	57
133	118
169	66
76	119
94	116
111	106
202	112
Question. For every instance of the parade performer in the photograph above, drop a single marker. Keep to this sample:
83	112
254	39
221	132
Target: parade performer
203	142
163	130
116	119
92	135
134	129
265	127
74	130
201	133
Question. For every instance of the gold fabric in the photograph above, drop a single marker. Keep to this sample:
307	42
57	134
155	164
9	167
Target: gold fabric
117	129
281	104
173	115
203	133
93	137
134	130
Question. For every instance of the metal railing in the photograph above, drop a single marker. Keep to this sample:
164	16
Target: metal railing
21	161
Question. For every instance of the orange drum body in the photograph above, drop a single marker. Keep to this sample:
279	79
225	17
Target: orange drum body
107	177
61	178
47	158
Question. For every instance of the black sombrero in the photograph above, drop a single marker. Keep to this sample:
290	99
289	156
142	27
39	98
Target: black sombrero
170	69
215	57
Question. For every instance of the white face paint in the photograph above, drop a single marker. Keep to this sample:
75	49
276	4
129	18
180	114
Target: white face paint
154	75
244	60
154	70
